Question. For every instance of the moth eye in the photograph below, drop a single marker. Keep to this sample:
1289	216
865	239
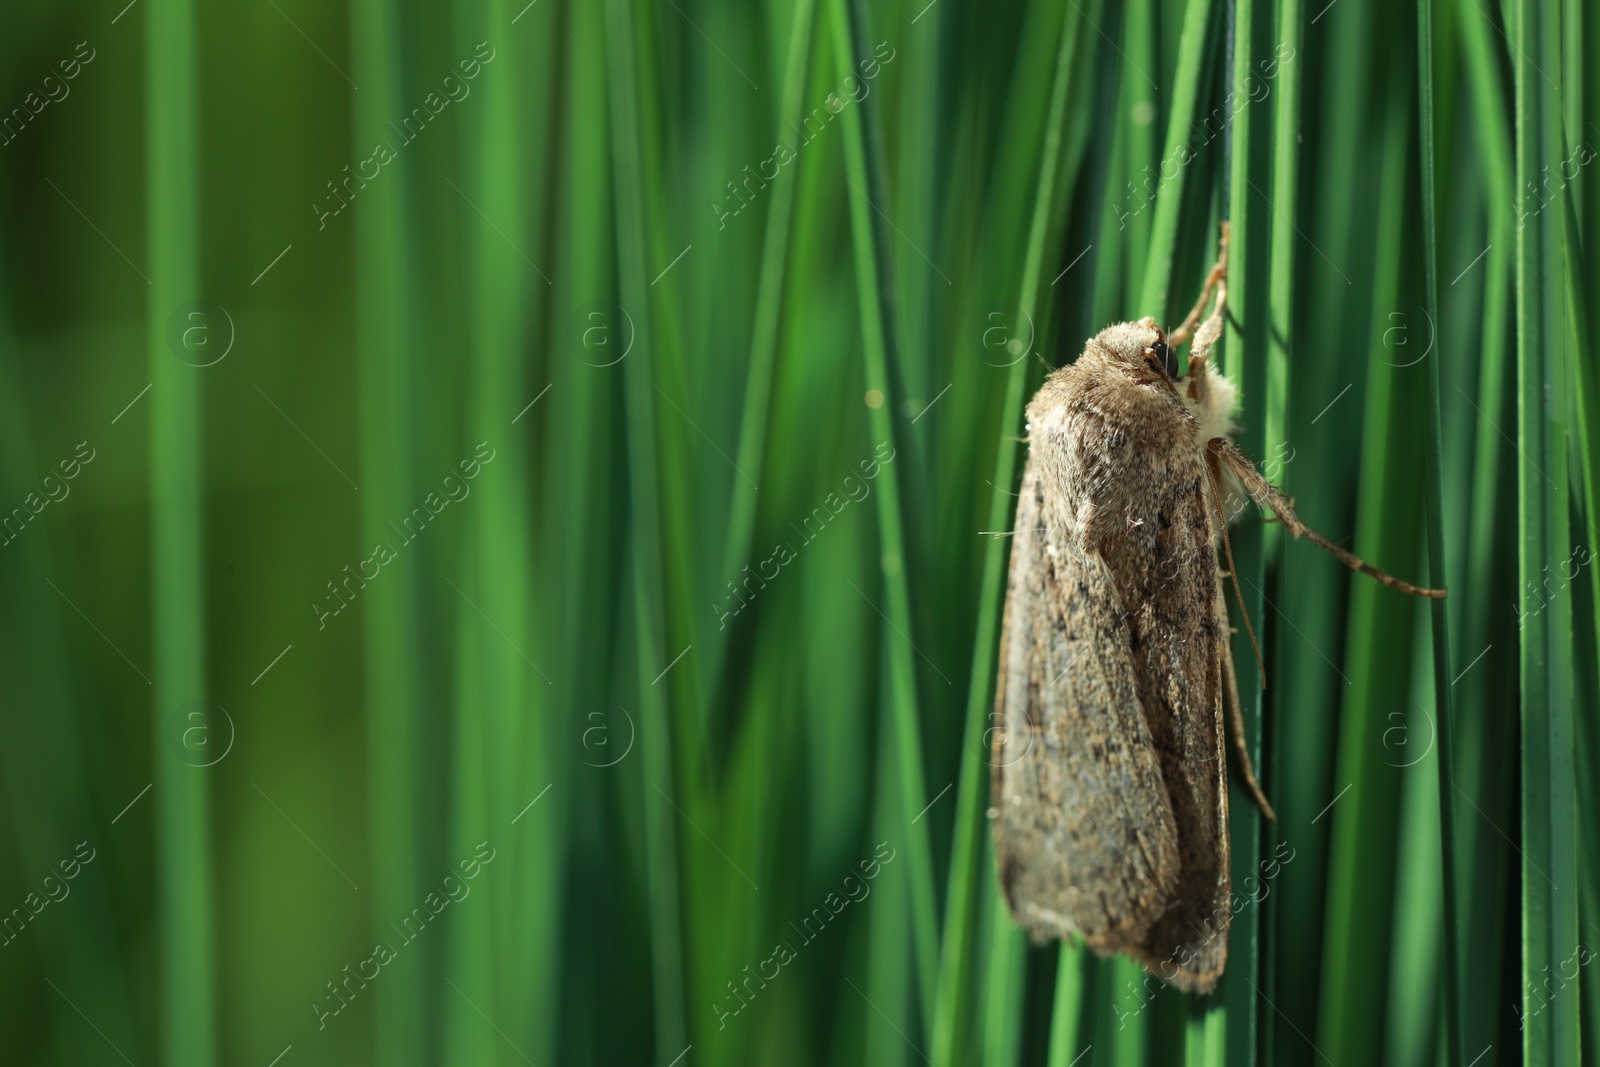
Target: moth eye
1169	361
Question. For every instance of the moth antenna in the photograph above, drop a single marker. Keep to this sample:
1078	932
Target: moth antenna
1233	571
1218	272
1265	494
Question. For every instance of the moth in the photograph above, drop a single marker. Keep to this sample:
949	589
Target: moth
1109	780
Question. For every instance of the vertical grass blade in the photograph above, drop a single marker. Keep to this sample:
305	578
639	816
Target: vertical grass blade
1137	135
583	496
648	594
529	118
48	763
506	953
769	305
1286	239
1006	988
1549	815
1416	1018
873	286
1444	710
913	146
1586	681
1252	221
1362	857
1332	338
385	360
1188	87
1485	731
1070	1026
891	992
1282	344
182	794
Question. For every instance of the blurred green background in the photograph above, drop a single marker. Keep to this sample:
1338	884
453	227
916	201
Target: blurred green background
508	484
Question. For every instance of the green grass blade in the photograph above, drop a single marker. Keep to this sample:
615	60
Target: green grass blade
648	591
1586	730
1363	854
1253	219
506	954
1071	1026
1332	337
385	361
1137	141
1286	240
872	260
914	145
1006	985
48	766
1549	816
1444	704
1282	344
1416	982
182	794
753	427
1486	732
891	990
1176	159
587	532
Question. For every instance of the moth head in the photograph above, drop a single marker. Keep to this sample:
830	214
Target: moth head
1140	349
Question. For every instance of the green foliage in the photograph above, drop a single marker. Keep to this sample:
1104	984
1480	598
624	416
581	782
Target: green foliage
721	319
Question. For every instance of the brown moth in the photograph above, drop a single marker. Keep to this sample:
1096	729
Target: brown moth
1109	773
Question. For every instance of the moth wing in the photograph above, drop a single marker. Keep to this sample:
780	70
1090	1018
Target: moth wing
1084	834
1167	565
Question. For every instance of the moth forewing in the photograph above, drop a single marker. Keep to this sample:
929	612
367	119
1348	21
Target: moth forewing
1084	838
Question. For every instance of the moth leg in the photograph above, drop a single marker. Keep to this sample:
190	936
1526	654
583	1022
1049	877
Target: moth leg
1265	494
1236	718
1213	478
1216	279
1198	373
